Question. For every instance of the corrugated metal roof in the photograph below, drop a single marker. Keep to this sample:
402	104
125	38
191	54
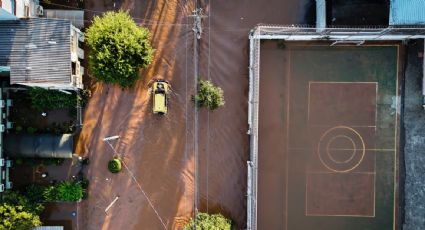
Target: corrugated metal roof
39	145
403	12
48	228
37	50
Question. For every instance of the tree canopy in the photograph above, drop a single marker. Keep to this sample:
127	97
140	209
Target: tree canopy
119	48
16	218
209	95
205	221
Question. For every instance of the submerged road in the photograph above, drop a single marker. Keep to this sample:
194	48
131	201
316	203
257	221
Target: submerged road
158	189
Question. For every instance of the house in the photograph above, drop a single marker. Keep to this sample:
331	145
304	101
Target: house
12	9
34	51
42	52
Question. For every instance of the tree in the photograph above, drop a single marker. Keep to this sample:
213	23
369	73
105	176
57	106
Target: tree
205	221
209	95
16	218
119	48
28	204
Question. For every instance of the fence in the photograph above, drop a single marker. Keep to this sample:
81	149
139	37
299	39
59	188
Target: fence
335	35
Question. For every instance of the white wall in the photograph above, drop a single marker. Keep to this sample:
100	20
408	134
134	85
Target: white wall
20	7
7	5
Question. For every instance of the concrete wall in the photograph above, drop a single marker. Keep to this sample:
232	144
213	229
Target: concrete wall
9	6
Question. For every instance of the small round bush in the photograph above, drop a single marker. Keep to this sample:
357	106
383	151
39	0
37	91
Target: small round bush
209	95
114	165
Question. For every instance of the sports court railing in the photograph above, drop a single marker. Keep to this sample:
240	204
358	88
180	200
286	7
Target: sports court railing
254	79
306	33
301	33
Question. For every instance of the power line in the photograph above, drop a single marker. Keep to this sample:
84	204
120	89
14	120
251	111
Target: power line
141	20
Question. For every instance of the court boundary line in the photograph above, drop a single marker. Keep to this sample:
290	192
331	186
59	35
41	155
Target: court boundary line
341	82
397	75
343	215
288	108
366	149
349	171
395	191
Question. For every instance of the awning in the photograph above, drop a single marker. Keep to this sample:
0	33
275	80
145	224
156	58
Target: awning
404	12
39	145
5	15
5	69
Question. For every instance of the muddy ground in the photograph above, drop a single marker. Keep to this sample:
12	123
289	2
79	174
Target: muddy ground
159	188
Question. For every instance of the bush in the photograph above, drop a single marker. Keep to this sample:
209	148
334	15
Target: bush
39	162
69	191
205	221
114	165
31	130
44	99
64	191
50	194
18	129
34	193
209	95
118	48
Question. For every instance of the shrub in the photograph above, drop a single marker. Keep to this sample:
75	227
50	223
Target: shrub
114	165
118	48
44	99
34	193
69	191
205	221
64	191
31	130
18	129
209	95
50	194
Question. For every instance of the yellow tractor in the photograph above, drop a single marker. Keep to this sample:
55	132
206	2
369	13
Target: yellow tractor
160	97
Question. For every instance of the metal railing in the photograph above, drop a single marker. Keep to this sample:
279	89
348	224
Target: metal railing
301	33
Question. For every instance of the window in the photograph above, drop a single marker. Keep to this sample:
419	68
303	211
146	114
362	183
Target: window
73	68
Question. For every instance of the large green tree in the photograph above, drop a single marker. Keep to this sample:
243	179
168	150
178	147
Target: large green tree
119	48
16	218
205	221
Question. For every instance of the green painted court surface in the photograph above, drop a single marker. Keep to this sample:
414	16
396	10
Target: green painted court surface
328	137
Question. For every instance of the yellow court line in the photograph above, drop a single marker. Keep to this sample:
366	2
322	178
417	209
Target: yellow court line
287	138
374	187
346	45
354	126
395	139
364	173
339	82
376	106
318	172
377	150
372	150
342	215
343	82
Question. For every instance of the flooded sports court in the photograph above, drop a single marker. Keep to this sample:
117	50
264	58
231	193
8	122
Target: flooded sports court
328	136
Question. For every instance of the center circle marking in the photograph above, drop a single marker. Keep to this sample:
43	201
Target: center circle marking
352	148
329	137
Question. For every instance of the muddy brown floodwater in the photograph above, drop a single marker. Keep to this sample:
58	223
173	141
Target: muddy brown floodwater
159	151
